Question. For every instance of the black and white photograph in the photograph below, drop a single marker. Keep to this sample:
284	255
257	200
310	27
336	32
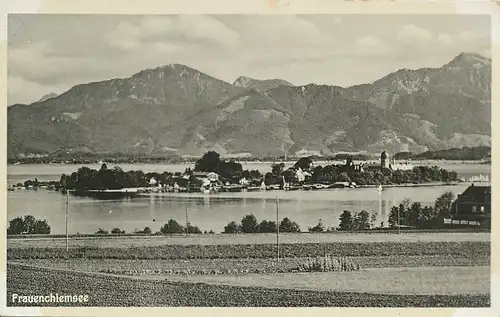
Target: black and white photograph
249	160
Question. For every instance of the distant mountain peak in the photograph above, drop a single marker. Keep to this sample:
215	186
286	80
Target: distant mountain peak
261	85
48	96
469	58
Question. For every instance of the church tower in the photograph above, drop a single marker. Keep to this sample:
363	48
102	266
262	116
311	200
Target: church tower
384	162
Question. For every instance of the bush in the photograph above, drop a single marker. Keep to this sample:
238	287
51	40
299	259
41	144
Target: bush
318	228
267	226
147	230
193	229
102	231
329	264
117	231
286	225
232	227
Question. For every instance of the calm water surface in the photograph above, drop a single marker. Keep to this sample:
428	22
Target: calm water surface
209	212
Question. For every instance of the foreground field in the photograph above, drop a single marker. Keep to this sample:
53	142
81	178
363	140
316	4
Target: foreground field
225	239
126	291
238	251
410	281
178	266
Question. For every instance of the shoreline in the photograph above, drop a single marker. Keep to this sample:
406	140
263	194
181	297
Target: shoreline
429	161
380	231
143	190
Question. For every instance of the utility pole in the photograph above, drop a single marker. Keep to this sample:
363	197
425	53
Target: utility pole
67	219
187	223
277	231
399	225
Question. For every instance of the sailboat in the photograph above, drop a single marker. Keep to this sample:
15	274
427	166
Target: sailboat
380	188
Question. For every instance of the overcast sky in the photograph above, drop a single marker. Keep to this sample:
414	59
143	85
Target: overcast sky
52	53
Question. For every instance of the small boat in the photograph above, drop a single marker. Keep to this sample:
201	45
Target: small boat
253	188
380	188
339	185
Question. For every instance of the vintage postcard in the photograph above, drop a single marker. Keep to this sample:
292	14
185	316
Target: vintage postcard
249	154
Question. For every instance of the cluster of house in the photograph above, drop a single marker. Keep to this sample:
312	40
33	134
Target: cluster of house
210	181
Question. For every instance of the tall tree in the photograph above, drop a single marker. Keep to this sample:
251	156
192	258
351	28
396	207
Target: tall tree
249	224
362	220
346	221
172	226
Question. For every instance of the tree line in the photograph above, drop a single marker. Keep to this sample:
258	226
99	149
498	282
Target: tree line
249	224
342	173
28	225
454	154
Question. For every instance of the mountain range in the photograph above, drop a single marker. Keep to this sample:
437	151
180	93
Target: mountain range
175	109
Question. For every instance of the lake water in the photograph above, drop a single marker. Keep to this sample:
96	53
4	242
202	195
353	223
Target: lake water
209	212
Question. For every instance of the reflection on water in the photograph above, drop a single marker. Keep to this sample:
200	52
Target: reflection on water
213	212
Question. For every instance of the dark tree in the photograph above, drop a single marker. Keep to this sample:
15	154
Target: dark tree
193	229
117	231
304	163
16	226
399	213
29	224
101	231
171	227
277	168
267	226
249	224
41	227
208	163
346	221
286	225
362	220
232	227
443	204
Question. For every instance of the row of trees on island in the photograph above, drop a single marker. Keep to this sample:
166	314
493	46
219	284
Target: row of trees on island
232	172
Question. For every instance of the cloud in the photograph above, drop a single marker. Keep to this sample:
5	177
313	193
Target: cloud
125	36
176	29
370	42
410	33
445	39
372	46
57	51
24	91
469	36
